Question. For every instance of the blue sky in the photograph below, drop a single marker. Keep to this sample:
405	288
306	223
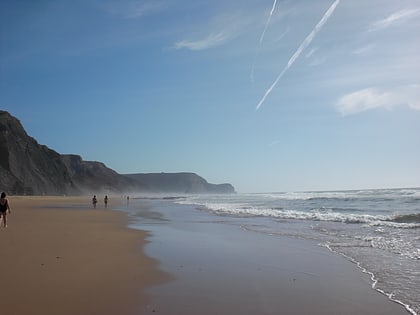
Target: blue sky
266	95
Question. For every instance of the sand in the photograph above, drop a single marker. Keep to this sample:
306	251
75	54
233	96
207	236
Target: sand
59	256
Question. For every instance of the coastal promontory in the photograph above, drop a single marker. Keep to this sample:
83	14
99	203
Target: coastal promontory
30	168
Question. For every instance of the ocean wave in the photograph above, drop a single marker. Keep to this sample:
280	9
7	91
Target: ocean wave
407	218
322	214
374	207
379	228
396	245
349	195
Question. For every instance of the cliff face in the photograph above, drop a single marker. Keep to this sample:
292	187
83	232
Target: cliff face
93	177
189	183
28	168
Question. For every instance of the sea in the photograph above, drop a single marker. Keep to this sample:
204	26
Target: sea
378	230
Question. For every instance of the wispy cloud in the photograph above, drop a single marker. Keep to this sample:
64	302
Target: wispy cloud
371	98
218	30
301	48
275	142
210	41
315	60
134	8
282	35
318	61
365	50
394	18
311	52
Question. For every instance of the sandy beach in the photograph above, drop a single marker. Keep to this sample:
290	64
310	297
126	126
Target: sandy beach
60	256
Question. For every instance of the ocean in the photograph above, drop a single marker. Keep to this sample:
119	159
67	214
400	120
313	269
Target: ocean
378	230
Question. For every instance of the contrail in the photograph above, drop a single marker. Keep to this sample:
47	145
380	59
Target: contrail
262	38
301	48
268	21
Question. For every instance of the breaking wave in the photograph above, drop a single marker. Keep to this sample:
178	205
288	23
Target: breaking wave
411	220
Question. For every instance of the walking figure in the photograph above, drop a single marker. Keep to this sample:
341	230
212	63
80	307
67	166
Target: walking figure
94	201
4	208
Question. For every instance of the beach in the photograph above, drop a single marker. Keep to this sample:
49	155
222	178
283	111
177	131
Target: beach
225	265
60	256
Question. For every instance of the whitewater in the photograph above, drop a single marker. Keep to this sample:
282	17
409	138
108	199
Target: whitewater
378	230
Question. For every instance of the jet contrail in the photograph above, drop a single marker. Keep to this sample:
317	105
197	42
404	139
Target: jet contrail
301	48
262	38
268	21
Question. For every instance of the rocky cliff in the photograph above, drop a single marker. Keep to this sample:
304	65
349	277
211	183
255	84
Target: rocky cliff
26	167
29	168
91	176
188	183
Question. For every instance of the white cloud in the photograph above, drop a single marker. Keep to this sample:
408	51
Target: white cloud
371	98
210	41
397	17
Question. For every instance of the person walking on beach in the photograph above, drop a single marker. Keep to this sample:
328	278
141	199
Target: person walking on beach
106	201
4	208
94	201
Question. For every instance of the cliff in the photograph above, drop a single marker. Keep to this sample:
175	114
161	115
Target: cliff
29	168
90	176
189	183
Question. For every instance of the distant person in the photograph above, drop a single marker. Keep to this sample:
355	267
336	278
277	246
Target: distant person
128	200
106	201
4	208
94	201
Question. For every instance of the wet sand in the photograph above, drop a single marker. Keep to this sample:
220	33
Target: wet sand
59	256
220	267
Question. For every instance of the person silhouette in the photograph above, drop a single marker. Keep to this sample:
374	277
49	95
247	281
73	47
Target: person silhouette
94	201
4	208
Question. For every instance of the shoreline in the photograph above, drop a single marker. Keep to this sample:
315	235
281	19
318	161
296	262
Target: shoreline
61	256
219	267
374	280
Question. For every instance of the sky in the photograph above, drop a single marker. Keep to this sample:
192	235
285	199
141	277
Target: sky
266	95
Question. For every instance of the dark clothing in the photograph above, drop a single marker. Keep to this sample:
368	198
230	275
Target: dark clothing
3	207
